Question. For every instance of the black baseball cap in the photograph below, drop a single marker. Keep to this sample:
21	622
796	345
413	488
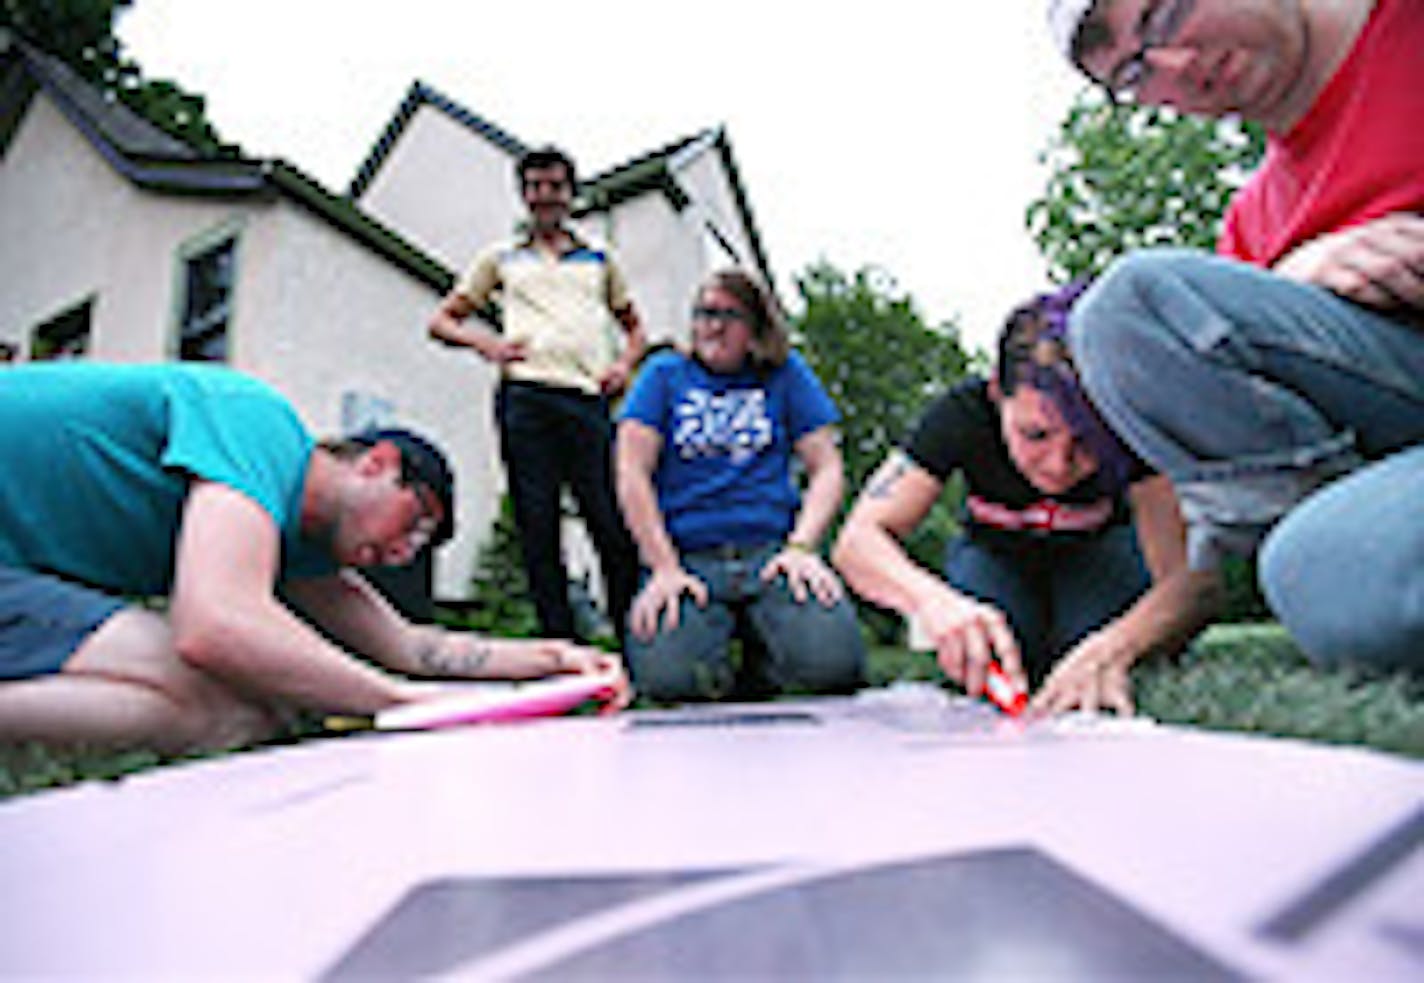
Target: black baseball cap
421	463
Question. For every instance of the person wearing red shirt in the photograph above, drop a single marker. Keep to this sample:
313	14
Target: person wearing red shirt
1280	383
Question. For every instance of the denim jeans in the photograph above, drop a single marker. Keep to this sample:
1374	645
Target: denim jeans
1252	393
1345	570
803	647
550	439
1053	593
44	620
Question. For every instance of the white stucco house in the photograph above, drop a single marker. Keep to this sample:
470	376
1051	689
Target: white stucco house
444	178
119	242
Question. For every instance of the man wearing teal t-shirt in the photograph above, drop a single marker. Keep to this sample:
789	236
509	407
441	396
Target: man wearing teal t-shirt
201	485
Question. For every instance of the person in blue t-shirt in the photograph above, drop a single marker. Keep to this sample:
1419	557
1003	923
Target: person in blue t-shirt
201	485
704	476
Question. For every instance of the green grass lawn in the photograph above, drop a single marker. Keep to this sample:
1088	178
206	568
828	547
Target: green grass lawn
1236	678
1252	678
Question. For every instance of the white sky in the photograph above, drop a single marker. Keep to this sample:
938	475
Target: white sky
897	133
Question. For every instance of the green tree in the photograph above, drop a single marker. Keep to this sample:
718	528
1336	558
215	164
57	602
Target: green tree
1124	176
499	596
78	31
882	364
81	33
875	355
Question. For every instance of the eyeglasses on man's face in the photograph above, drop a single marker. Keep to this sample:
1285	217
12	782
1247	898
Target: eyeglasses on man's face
427	520
1157	25
718	315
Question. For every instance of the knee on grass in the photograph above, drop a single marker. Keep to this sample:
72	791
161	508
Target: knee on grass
1343	602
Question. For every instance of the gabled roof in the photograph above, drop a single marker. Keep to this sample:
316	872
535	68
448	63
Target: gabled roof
156	161
648	172
654	171
105	116
419	94
658	169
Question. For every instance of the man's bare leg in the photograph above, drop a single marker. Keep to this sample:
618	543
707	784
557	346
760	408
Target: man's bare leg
126	686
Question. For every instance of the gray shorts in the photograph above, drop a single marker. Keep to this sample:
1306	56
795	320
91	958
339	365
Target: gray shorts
44	619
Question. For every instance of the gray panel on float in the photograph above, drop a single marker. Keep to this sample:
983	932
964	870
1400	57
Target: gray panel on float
998	914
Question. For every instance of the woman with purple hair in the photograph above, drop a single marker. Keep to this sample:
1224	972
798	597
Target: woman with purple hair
1061	526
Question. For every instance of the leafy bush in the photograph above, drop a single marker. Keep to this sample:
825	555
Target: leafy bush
500	602
1244	601
882	364
1124	177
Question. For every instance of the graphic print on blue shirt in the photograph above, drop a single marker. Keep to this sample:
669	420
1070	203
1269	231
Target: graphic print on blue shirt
709	424
724	474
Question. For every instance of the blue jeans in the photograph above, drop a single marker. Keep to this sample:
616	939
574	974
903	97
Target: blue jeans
803	647
1253	393
550	439
1053	593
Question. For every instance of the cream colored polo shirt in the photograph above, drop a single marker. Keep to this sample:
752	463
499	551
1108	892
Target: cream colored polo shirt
561	306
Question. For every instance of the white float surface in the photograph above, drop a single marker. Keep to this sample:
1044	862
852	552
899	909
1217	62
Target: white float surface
273	864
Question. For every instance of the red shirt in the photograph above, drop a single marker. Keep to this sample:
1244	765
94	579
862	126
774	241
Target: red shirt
1357	155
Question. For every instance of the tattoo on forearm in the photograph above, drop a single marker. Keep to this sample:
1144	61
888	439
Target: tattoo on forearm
454	655
883	484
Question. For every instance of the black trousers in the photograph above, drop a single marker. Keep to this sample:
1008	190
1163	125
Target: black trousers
551	439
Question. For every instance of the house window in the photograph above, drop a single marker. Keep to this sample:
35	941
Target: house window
207	303
65	336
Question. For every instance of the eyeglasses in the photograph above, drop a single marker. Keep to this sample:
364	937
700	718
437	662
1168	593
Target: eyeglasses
423	529
1158	24
718	315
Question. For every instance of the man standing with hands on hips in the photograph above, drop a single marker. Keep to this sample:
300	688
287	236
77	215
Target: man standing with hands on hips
1280	384
563	301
